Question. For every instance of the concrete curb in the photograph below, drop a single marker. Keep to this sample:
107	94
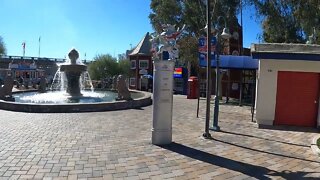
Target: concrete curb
314	147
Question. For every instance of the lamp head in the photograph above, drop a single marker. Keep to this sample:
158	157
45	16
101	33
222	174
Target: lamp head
213	29
225	34
205	28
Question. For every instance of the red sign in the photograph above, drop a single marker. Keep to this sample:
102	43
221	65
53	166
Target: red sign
177	72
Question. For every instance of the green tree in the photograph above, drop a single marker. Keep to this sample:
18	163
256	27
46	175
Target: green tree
192	13
288	21
165	12
124	67
103	66
2	47
188	46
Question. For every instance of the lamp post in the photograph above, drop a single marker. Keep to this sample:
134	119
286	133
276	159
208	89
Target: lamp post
206	134
225	35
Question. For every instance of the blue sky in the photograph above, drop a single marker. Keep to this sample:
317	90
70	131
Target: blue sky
91	26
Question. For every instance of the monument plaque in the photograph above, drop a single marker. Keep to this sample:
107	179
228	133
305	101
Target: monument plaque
162	102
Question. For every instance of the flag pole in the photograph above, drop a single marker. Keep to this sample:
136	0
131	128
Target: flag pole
23	48
39	46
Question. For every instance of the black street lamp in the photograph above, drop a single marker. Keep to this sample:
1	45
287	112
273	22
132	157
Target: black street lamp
224	35
206	134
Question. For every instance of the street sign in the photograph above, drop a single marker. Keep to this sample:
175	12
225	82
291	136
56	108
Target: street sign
203	44
203	50
203	59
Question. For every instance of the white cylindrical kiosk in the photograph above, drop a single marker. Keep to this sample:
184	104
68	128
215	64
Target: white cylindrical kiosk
162	102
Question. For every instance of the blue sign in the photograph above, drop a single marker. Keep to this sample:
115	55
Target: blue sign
203	44
203	50
203	59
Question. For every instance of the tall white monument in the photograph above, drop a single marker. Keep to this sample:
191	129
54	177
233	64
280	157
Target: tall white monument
162	102
165	52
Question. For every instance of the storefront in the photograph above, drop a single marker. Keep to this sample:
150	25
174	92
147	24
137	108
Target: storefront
237	77
180	80
22	71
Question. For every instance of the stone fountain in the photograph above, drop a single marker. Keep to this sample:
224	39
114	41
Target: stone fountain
73	71
72	91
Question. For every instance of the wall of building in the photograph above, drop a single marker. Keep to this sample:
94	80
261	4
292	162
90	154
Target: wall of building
267	84
137	72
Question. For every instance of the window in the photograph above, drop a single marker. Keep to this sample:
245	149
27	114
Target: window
133	64
132	81
143	64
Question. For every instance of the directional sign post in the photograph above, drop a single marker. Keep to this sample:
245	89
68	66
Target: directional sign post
203	50
203	44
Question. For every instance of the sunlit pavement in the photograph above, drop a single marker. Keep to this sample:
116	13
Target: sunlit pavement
117	145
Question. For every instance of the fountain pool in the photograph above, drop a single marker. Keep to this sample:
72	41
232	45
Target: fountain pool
68	94
62	104
59	97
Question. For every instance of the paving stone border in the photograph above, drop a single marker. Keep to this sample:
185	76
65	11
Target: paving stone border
145	100
314	147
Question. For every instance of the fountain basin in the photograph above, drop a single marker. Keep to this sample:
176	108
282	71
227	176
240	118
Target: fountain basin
73	72
142	99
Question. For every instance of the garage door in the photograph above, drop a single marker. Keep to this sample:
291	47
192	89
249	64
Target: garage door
297	98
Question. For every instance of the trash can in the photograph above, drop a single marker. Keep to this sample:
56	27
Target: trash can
193	84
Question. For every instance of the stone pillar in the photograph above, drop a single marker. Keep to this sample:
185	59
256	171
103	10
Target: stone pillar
73	79
162	102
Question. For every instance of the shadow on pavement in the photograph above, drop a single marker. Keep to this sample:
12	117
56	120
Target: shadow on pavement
255	171
266	152
289	128
247	135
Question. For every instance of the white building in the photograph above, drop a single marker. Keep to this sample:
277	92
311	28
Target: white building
287	84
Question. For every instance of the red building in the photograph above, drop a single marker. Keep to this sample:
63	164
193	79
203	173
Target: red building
141	65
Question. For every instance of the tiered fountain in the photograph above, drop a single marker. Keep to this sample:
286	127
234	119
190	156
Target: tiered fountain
68	93
73	72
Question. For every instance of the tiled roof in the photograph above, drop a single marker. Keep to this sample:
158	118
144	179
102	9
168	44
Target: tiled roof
144	46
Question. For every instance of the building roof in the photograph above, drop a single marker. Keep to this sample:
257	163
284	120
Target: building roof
143	48
283	51
285	48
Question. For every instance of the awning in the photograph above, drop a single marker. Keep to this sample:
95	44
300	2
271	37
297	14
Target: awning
232	62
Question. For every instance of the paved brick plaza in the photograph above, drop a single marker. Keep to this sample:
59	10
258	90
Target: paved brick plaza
116	145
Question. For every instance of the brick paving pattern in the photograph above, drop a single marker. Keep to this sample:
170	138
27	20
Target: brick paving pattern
117	145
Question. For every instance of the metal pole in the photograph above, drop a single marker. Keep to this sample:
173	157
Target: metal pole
23	48
241	7
198	106
215	126
39	46
206	134
241	84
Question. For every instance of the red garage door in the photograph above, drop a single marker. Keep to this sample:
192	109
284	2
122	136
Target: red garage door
297	99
